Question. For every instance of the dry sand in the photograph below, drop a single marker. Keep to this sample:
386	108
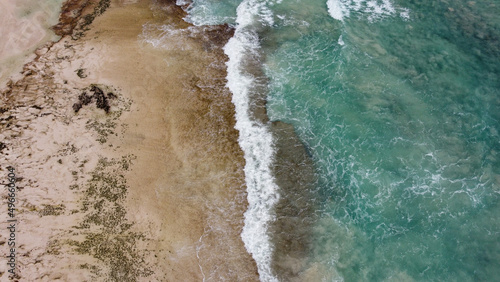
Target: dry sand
23	28
151	191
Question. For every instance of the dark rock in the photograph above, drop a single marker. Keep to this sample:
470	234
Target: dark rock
101	99
77	106
84	98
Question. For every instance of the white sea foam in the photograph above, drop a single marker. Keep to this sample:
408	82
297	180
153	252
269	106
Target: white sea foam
202	12
255	139
168	37
341	41
182	2
337	10
374	9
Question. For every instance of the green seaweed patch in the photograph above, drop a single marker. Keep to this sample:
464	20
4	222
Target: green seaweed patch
67	149
30	208
103	129
92	268
118	252
107	184
52	210
108	234
54	247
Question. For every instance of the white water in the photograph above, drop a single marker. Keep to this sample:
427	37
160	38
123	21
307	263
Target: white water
375	9
255	139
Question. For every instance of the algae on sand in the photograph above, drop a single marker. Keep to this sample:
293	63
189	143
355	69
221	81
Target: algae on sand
108	233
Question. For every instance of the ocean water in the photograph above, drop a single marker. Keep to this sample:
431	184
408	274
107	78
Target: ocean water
397	104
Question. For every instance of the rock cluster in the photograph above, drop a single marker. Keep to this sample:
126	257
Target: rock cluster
101	99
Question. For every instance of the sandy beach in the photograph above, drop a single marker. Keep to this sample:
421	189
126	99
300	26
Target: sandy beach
122	139
24	26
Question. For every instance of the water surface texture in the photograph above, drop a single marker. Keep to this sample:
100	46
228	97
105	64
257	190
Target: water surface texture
398	105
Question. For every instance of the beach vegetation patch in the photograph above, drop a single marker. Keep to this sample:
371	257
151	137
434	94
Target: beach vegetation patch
52	210
108	233
92	268
103	129
54	247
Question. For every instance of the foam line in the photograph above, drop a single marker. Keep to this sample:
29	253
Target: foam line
255	138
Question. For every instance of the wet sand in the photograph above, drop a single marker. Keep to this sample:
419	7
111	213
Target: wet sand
151	191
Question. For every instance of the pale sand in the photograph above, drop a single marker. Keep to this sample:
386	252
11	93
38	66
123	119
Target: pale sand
186	193
24	26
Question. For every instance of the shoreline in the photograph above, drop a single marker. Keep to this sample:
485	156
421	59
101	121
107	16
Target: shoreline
169	141
27	24
279	169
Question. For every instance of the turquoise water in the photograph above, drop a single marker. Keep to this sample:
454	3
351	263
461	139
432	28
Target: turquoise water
398	104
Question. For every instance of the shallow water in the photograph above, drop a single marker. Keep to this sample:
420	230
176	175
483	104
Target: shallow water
398	106
24	26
